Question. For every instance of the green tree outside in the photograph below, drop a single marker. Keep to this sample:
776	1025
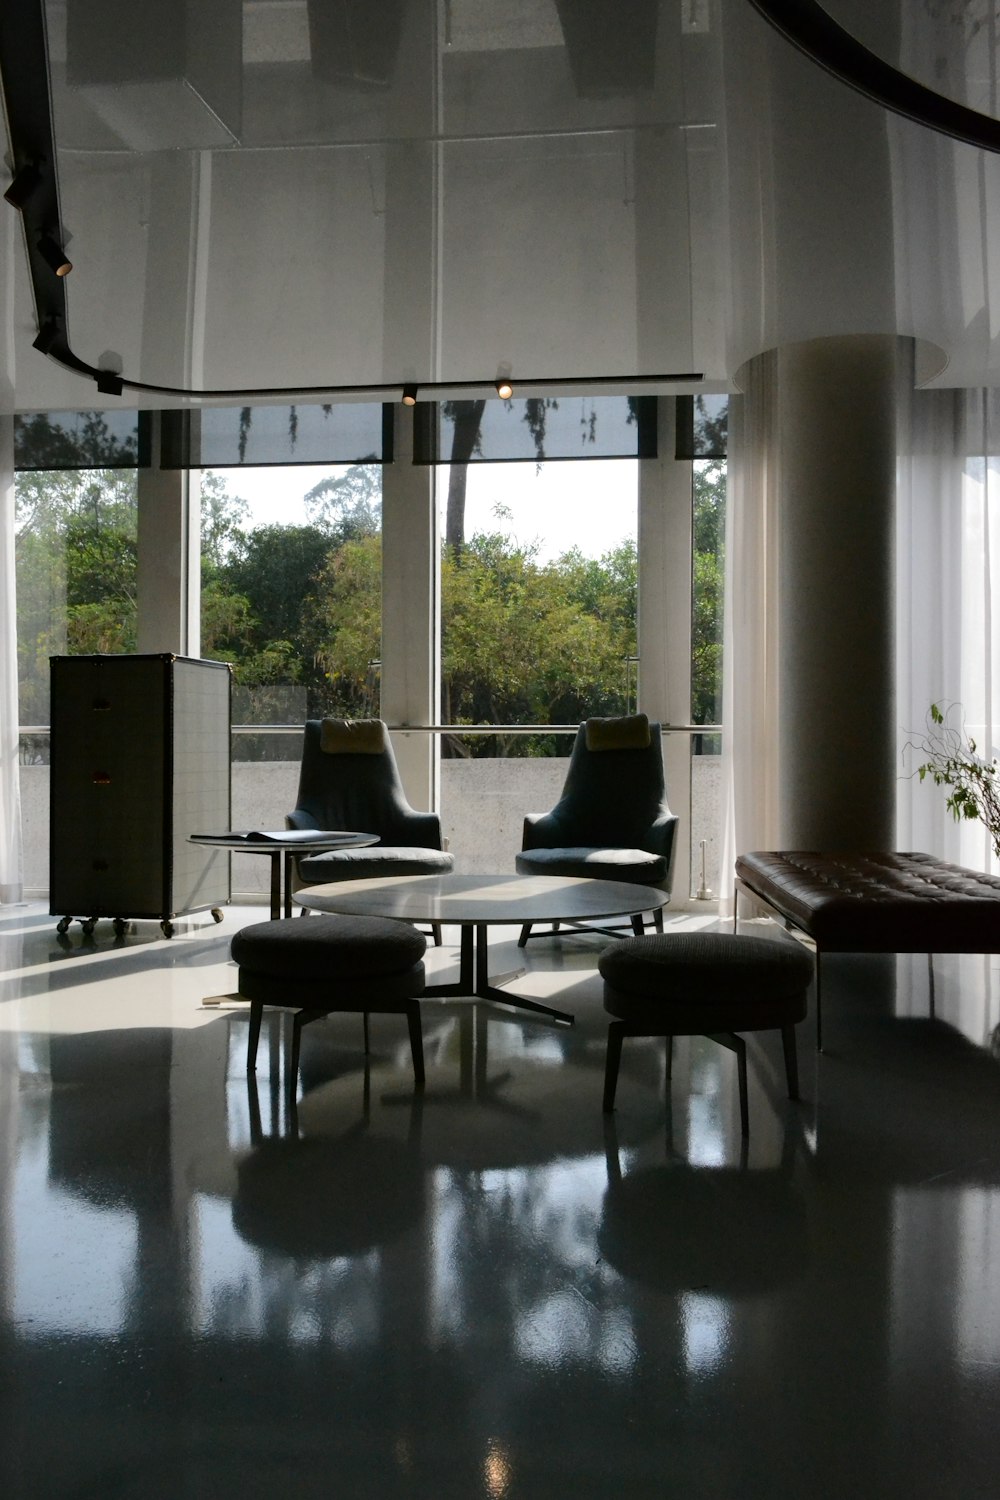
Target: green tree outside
297	609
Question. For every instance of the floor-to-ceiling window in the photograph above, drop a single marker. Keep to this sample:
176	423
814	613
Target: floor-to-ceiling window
76	519
538	621
538	602
540	574
706	433
291	595
708	537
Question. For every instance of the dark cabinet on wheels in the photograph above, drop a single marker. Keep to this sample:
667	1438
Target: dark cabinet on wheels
140	759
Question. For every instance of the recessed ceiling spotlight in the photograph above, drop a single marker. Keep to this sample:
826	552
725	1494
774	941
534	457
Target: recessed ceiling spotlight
409	394
54	255
24	184
504	388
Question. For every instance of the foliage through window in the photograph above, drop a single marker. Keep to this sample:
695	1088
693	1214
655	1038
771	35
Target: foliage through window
75	556
294	606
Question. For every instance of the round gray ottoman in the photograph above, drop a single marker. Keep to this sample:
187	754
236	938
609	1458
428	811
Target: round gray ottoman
331	963
704	984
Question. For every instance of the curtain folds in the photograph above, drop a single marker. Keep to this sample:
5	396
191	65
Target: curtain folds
947	609
750	646
11	863
948	620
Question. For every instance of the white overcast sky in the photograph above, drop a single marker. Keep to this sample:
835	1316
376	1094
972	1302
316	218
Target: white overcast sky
591	505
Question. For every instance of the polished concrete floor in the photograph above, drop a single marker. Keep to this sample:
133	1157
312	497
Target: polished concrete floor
487	1290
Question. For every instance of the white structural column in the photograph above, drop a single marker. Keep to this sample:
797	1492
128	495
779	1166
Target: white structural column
664	618
410	613
837	463
169	601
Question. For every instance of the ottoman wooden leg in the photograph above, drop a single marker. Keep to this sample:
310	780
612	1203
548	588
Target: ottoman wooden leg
301	1019
638	925
525	935
416	1041
658	919
616	1033
367	1032
293	1060
791	1060
256	1015
736	1044
741	1065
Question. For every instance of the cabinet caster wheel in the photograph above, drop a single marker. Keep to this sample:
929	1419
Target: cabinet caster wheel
88	926
216	914
62	926
120	927
167	928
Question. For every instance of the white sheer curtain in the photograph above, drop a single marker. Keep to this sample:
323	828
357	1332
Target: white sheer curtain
948	624
750	657
11	871
10	801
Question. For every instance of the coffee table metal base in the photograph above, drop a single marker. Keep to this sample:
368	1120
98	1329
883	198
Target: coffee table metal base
477	902
474	979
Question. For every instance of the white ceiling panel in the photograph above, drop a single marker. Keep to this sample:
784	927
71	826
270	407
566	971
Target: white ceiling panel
289	193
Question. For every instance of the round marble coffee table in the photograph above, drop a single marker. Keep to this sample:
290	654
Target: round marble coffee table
477	902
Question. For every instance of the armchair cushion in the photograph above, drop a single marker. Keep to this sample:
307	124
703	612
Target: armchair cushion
634	866
379	859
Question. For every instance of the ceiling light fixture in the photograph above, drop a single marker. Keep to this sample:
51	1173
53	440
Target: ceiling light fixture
504	388
409	394
24	183
54	255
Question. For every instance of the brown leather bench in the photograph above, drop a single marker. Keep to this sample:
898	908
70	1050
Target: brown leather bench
875	903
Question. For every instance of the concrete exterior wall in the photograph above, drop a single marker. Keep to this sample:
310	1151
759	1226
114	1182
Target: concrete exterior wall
483	803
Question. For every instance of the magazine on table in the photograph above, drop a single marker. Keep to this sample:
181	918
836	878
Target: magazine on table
268	836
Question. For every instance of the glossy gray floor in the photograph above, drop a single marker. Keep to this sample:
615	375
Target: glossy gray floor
486	1292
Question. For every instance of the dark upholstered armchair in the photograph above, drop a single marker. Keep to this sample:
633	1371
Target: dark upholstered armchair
612	821
349	779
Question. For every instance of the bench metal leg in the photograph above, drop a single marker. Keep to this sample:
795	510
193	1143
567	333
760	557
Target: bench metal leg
819	1006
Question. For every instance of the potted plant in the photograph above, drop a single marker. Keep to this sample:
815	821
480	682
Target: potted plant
949	758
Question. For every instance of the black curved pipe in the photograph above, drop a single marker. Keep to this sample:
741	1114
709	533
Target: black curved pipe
815	33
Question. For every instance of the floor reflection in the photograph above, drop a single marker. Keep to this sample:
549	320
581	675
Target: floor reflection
487	1287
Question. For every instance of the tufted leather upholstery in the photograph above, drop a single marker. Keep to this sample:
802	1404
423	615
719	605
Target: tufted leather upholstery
878	903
